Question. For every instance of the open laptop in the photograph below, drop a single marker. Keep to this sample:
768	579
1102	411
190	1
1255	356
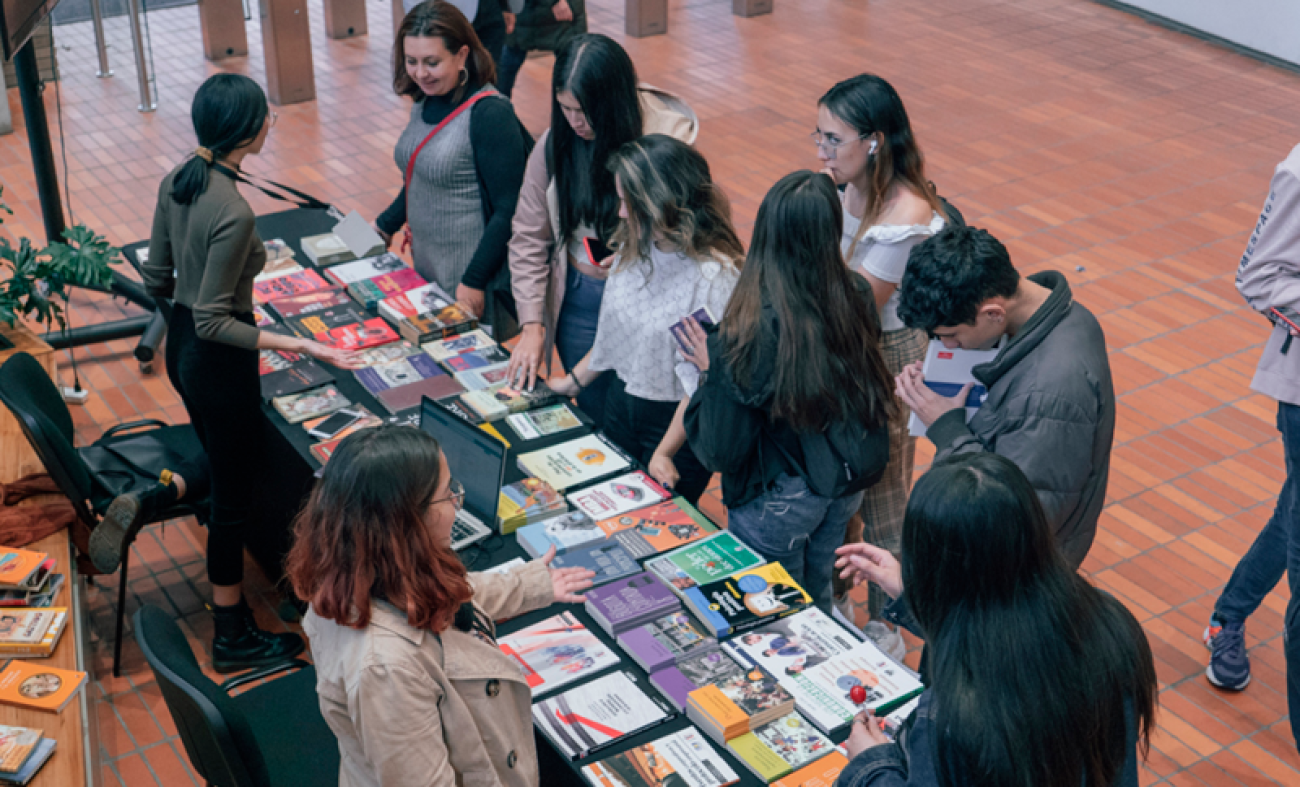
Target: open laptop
478	462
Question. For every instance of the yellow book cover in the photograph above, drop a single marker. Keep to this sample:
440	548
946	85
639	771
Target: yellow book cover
760	759
492	430
822	773
37	686
31	632
746	600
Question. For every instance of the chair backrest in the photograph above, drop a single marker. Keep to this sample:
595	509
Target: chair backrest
36	403
217	737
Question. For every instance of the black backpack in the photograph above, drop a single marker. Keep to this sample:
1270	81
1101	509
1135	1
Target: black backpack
844	459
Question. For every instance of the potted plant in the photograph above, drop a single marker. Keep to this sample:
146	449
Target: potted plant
39	278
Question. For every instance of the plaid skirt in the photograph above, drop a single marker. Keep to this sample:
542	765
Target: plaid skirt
884	504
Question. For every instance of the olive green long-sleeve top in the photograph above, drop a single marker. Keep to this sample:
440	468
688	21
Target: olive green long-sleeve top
205	255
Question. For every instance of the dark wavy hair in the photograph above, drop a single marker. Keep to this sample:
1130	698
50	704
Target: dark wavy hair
438	19
950	275
364	534
228	113
828	365
1032	670
601	76
871	106
670	194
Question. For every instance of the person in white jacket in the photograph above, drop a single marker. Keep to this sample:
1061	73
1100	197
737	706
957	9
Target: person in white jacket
1269	279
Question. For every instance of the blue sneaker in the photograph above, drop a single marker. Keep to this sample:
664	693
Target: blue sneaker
1229	665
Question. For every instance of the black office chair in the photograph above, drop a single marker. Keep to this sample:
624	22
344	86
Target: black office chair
128	456
269	736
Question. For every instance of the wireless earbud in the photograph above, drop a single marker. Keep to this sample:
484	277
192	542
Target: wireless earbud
871	151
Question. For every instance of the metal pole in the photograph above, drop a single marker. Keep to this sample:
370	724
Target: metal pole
38	139
97	20
141	66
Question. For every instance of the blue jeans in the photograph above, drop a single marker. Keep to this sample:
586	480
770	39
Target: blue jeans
1276	551
575	332
508	66
800	530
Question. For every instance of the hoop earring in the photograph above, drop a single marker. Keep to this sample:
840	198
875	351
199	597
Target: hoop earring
464	77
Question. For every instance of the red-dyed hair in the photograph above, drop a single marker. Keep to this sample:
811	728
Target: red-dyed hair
364	534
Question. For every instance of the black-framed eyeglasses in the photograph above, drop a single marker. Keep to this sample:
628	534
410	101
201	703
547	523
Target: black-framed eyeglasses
456	496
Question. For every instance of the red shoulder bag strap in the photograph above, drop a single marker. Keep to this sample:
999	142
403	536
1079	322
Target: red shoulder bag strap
410	165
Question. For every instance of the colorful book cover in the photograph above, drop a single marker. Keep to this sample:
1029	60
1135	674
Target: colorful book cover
657	528
609	561
484	378
410	395
746	600
44	750
447	321
780	747
680	759
665	641
557	652
368	268
296	305
288	285
711	558
694	672
628	602
412	303
571	530
821	773
261	317
528	501
277	360
476	359
323	451
739	704
297	408
946	371
370	333
616	496
37	686
385	353
317	322
788	648
443	349
369	292
591	716
302	376
31	632
16	744
542	422
18	567
885	680
578	461
398	373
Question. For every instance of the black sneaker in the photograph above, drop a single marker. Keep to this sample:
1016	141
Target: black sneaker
238	643
1229	665
123	518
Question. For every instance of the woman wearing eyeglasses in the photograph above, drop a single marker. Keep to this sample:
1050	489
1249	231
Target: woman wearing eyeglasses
408	671
865	143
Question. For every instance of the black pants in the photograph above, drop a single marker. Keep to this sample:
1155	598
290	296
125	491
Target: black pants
218	384
637	425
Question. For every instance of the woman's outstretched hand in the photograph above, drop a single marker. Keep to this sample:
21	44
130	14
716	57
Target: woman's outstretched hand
861	563
567	582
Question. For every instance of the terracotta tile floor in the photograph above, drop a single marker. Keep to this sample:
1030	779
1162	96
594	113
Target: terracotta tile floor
1132	158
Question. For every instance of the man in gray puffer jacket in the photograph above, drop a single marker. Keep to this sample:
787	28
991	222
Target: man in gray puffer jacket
1050	406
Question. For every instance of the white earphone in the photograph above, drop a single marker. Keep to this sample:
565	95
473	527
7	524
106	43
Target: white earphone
871	151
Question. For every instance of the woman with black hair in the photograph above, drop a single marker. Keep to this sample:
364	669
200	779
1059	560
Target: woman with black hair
568	206
865	143
462	159
796	353
204	252
1036	678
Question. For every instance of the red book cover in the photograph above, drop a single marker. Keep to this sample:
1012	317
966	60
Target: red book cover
359	336
315	300
287	285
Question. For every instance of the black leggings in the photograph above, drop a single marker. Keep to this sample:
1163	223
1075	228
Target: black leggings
218	383
637	425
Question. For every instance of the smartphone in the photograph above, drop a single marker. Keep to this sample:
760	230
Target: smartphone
702	316
336	423
598	254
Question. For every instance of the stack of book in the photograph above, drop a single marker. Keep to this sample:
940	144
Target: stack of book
479	358
443	350
287	285
575	462
481	378
704	668
629	603
284	373
617	496
679	758
746	600
499	400
359	270
299	407
743	702
23	570
822	773
23	751
666	641
528	502
369	292
556	652
31	633
644	532
711	558
330	249
543	422
780	747
316	300
596	715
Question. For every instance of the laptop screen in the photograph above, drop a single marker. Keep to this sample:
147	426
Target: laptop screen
477	459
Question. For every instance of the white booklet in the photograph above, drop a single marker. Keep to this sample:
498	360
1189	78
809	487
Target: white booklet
946	371
608	709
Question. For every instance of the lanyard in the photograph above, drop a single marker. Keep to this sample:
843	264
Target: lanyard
303	200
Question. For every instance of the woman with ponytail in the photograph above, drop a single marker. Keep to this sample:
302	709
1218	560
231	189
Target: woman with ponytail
204	252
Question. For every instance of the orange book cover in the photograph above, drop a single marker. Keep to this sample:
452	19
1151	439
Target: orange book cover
17	565
822	773
39	687
718	706
657	528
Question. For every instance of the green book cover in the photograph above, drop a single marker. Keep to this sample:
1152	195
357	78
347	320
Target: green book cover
712	558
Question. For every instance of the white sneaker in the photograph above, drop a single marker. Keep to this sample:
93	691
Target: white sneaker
886	638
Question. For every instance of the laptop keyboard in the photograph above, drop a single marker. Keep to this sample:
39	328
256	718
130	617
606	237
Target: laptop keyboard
461	530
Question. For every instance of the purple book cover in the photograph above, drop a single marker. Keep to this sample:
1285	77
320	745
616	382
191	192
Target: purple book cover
664	640
631	601
707	668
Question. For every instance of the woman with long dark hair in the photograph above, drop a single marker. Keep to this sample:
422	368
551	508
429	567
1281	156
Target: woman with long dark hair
1036	678
676	253
409	674
461	156
865	143
568	207
797	351
204	252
